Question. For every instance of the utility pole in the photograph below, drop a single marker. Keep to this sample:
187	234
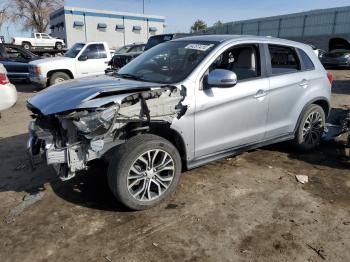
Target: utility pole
143	6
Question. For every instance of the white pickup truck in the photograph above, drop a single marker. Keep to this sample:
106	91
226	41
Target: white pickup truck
82	59
39	40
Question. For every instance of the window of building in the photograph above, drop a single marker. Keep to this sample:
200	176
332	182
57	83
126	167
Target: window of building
283	60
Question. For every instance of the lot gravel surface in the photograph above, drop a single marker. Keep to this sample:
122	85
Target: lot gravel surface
244	208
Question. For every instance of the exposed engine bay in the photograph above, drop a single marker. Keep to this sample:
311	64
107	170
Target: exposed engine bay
69	140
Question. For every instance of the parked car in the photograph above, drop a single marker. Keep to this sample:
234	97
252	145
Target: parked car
16	61
82	59
338	54
8	93
39	40
336	58
121	59
131	48
180	105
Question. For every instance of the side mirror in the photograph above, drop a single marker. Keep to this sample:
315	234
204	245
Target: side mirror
83	57
222	78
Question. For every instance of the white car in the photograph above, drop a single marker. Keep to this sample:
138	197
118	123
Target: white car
39	40
81	60
8	93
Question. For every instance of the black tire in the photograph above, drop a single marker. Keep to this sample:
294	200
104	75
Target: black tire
58	46
308	140
58	77
26	45
126	156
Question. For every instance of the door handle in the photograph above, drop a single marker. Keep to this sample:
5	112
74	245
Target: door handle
304	83
260	93
106	62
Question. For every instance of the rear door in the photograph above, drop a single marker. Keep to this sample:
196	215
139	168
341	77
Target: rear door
289	82
96	63
46	40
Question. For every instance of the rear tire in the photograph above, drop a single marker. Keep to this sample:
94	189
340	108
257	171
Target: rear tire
144	171
310	129
26	45
58	77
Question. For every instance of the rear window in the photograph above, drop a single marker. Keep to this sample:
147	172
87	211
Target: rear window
283	60
308	65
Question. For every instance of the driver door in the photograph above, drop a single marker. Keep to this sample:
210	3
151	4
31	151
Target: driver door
228	118
96	62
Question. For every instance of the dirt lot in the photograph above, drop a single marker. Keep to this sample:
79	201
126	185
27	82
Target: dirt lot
246	208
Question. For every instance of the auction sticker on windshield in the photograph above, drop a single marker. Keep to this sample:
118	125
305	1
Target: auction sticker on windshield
199	47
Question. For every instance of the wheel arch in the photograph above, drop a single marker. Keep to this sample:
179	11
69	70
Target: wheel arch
321	101
164	130
67	71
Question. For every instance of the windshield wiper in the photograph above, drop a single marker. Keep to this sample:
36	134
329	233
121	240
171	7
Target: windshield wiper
129	76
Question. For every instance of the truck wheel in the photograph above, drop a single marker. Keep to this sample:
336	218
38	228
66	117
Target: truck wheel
26	45
58	46
144	171
58	77
311	127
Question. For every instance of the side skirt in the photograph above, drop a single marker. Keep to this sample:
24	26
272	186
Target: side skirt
236	151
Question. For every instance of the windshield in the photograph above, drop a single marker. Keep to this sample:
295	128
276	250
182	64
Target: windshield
74	50
168	63
123	49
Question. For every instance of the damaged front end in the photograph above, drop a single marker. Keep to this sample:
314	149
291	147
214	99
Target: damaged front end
69	140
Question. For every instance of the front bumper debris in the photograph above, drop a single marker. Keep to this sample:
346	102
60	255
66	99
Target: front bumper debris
66	161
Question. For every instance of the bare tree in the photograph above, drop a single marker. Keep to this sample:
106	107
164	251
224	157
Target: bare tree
3	13
34	14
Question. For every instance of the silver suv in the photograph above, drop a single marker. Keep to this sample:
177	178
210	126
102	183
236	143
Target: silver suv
180	105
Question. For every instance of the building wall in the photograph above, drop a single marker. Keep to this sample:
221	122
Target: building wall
90	19
313	27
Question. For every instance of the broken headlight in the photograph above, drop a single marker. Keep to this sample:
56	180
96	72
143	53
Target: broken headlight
97	122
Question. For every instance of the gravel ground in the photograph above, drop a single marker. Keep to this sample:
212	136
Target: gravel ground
245	208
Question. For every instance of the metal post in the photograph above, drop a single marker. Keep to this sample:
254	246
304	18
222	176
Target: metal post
143	6
304	25
85	28
334	22
279	27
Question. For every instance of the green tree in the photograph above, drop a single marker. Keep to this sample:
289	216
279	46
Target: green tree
199	25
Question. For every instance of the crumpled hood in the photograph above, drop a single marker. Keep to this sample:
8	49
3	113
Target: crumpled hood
80	93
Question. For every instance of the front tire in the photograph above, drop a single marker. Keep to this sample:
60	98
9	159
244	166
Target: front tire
310	129
58	77
144	171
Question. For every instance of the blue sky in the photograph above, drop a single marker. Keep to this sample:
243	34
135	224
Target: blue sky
180	14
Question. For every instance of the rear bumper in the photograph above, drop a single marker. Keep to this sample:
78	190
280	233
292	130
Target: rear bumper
8	96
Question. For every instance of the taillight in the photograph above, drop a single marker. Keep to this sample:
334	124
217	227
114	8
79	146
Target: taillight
330	77
3	79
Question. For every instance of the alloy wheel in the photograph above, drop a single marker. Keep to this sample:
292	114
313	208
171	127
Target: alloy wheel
150	175
313	128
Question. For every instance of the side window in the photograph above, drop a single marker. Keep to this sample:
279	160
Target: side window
308	65
244	60
101	51
44	36
95	51
283	60
38	36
